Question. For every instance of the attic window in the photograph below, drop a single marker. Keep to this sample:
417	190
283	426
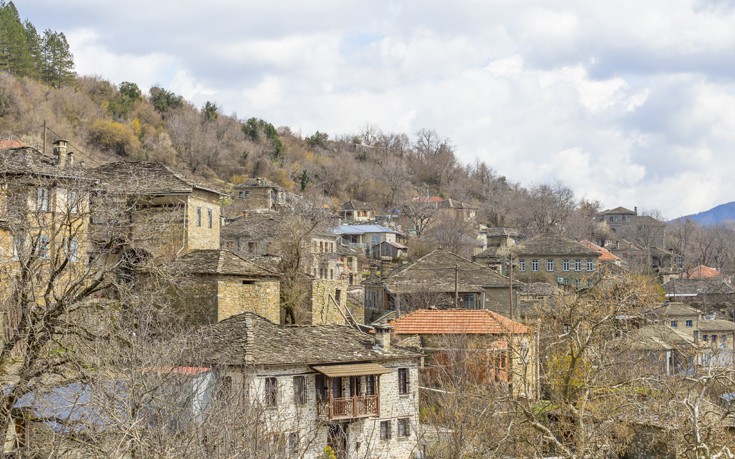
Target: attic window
248	282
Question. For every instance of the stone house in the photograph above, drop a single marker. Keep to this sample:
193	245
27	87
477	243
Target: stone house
44	215
388	250
441	279
357	212
320	385
258	194
491	348
151	208
212	285
498	240
706	294
366	236
666	351
556	260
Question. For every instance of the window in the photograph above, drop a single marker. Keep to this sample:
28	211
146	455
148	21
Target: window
534	265
321	388
689	323
72	199
355	386
469	300
72	246
299	390
337	293
404	428
337	388
521	265
239	194
550	264
293	441
403	381
271	392
247	195
565	265
370	385
704	338
578	264
610	218
42	246
42	199
385	430
199	216
590	264
723	338
674	323
714	339
209	218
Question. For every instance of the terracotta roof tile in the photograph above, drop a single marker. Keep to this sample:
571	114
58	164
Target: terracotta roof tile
455	322
605	255
702	272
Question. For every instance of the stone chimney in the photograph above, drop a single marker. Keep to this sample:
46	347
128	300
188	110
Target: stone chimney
635	209
382	336
70	159
60	152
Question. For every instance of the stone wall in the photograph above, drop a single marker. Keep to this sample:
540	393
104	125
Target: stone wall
200	236
236	295
323	309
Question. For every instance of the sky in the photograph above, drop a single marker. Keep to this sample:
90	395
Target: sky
631	103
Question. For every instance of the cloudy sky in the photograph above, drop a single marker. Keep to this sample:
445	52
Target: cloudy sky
629	102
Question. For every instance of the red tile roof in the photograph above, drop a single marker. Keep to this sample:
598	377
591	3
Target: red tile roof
605	255
455	322
10	143
702	272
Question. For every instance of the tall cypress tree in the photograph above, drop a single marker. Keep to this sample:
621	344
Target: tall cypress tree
57	67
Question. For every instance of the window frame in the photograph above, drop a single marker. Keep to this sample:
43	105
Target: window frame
271	391
210	217
534	265
578	265
199	216
565	265
300	396
550	265
674	324
385	430
403	381
42	199
404	428
590	265
521	264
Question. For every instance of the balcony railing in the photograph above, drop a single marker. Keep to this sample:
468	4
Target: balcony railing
350	407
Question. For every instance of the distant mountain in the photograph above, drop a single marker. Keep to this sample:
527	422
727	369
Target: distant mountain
720	214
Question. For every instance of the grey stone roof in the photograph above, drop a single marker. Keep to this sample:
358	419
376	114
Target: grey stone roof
356	205
434	272
674	310
716	325
537	289
219	261
697	286
646	220
618	211
146	178
248	339
260	225
258	182
550	244
499	231
29	161
659	338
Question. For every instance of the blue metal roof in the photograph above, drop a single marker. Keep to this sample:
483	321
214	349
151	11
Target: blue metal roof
362	229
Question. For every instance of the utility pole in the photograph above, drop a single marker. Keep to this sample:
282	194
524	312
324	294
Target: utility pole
456	286
510	286
44	137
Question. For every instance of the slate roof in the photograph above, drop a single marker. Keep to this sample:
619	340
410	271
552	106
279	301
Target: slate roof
434	272
673	310
258	182
499	231
356	205
218	261
716	325
256	225
618	211
659	338
537	289
697	286
29	161
550	244
146	178
646	220
605	255
248	339
455	322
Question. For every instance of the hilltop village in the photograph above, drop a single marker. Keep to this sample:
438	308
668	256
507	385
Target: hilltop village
146	313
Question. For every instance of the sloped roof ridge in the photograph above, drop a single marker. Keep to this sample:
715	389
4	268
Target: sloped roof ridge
618	210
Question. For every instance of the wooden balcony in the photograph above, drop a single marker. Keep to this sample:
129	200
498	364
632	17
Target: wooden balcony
350	407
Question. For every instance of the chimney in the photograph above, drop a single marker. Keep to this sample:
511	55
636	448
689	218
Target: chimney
70	159
635	209
382	336
60	152
244	214
373	272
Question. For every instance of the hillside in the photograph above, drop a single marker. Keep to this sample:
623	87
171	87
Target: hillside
723	213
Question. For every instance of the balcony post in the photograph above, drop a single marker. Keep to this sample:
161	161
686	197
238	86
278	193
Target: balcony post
377	392
329	387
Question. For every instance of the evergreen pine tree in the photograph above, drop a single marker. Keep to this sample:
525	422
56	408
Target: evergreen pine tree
14	54
57	60
33	41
